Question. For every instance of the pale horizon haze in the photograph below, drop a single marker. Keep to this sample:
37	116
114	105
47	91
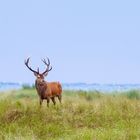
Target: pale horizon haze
86	41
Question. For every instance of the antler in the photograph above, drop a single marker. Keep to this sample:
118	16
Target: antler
27	62
48	65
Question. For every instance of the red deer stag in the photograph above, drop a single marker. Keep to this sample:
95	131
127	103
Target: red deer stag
46	90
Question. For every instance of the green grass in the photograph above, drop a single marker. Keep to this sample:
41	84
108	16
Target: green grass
82	116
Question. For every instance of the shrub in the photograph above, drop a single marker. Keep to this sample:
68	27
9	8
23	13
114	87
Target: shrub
133	94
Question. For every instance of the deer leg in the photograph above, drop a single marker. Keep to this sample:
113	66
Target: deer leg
59	98
40	101
48	101
53	100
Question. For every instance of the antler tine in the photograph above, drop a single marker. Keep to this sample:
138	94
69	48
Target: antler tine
46	62
48	65
27	62
38	69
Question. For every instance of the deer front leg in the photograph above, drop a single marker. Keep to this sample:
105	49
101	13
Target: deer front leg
48	101
40	101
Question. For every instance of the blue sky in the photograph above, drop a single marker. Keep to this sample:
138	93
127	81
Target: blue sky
86	41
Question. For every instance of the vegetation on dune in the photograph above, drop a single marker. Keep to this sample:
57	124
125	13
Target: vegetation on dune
82	116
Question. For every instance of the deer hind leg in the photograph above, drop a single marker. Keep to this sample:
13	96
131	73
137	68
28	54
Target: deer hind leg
48	101
59	98
53	100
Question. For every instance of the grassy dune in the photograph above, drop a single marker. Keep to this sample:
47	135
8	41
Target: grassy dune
82	116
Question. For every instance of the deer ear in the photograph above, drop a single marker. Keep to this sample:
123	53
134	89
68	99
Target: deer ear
45	74
35	73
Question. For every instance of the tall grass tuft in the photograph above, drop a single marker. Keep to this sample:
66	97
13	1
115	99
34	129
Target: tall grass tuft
132	94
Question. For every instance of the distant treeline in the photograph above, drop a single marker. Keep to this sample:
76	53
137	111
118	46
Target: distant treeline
28	86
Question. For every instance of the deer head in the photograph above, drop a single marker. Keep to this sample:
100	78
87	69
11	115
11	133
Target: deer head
39	76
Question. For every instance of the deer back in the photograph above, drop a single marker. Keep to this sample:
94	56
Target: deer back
55	88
